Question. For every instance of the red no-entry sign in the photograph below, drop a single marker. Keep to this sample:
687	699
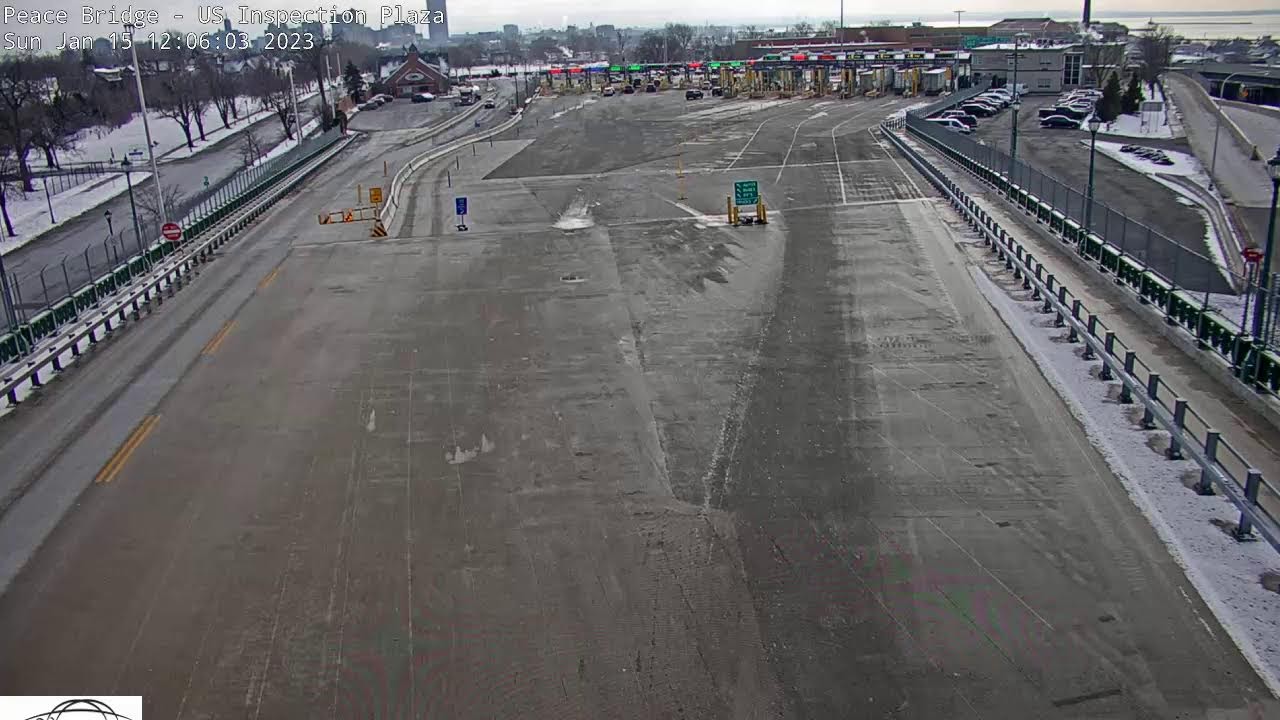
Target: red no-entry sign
1252	255
171	231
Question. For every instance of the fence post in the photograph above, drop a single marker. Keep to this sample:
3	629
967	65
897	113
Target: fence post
1109	351
1244	531
1130	358
1205	486
1174	451
1093	332
1153	388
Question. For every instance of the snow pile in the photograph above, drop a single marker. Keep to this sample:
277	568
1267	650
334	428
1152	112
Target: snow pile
1150	124
575	217
1226	573
1183	164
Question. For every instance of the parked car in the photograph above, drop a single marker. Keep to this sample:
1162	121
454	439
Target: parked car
608	91
952	124
650	88
370	105
1000	100
384	97
963	117
1059	121
423	97
1129	148
978	109
692	94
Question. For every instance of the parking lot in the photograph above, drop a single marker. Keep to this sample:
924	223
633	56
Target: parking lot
1063	154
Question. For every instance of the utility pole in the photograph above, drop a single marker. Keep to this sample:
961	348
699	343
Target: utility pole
146	127
955	72
297	119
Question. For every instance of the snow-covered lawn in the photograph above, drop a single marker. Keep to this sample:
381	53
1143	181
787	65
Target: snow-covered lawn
1148	125
1227	574
30	215
170	143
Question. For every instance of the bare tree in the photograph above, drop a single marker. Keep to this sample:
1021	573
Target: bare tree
224	91
177	95
8	166
271	89
145	196
1156	47
679	37
23	89
250	148
802	29
1104	59
313	62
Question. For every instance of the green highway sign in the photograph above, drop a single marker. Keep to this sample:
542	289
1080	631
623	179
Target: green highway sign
634	68
615	68
735	63
746	192
714	66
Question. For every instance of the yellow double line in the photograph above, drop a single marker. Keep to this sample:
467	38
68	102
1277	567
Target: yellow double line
270	277
212	346
117	461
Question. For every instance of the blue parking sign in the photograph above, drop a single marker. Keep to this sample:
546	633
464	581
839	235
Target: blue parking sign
461	205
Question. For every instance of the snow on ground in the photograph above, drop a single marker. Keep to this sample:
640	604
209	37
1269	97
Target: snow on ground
167	135
30	215
1226	573
1183	164
1149	125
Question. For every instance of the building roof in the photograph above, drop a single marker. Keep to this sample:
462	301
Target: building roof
1034	26
1028	48
413	65
1266	74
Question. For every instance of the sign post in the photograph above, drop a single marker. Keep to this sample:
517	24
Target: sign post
171	231
1252	256
375	195
460	206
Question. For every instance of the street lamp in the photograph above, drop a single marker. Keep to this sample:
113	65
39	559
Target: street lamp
1013	138
137	229
107	215
1094	125
1273	169
146	127
1221	94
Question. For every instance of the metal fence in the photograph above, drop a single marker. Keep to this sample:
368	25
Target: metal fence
33	294
1183	267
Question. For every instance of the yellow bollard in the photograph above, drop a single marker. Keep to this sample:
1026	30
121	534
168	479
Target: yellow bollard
761	215
728	203
359	194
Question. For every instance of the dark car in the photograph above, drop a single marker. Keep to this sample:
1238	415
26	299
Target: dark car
1130	148
651	88
692	94
628	89
1059	121
717	91
978	109
489	104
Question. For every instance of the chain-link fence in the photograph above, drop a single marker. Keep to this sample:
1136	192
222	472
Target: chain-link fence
30	294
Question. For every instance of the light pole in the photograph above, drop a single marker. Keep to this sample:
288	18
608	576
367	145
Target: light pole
146	127
297	119
137	228
955	71
1094	124
107	215
1273	169
1017	104
1217	128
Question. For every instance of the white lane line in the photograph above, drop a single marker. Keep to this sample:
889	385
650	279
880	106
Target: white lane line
794	135
895	162
744	147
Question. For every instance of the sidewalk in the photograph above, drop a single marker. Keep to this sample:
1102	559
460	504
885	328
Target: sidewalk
1250	432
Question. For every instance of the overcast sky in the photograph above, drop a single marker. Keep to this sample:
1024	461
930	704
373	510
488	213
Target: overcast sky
474	15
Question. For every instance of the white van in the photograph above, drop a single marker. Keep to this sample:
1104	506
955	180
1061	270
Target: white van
952	124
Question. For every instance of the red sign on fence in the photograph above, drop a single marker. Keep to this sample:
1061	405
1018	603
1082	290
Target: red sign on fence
171	231
1252	255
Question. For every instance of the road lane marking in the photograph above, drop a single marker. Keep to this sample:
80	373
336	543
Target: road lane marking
122	455
216	342
271	276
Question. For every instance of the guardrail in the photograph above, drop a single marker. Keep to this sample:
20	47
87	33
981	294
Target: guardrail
1249	358
392	205
244	188
1222	468
166	274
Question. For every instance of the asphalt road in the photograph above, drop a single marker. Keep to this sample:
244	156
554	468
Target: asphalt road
598	456
1064	155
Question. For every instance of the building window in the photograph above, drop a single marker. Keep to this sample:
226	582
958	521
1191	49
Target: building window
1071	69
1042	83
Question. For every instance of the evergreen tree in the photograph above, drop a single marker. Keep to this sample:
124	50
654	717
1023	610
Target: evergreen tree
354	82
1108	108
1132	100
